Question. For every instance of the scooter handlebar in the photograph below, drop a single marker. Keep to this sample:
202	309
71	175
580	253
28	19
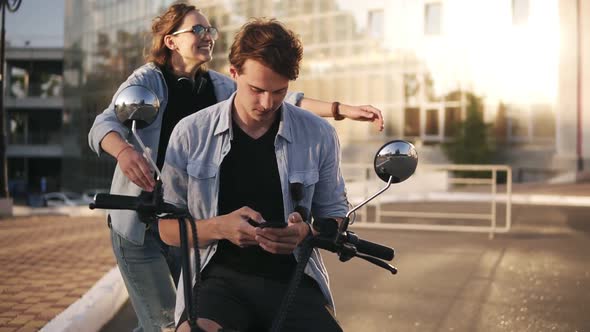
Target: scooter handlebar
373	249
115	202
328	227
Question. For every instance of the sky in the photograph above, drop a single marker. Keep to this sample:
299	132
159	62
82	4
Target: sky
38	22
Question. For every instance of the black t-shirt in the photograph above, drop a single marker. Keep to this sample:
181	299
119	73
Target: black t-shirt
249	176
184	99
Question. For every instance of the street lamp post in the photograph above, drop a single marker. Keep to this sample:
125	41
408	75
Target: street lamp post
12	6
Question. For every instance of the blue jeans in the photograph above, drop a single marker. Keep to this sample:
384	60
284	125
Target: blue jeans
147	276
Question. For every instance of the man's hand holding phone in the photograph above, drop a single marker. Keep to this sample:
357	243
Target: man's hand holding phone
280	237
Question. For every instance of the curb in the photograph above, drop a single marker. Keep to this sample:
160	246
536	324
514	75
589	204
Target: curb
96	308
70	211
523	199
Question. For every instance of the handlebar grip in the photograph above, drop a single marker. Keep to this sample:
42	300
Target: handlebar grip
374	249
324	243
115	202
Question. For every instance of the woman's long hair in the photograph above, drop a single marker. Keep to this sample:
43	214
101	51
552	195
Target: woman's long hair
164	25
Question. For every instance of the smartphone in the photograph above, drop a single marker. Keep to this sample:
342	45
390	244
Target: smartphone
253	223
267	224
272	225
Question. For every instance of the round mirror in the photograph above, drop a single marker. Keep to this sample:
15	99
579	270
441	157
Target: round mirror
136	103
397	159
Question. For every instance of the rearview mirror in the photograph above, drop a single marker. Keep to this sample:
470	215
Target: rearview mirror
396	160
136	103
137	107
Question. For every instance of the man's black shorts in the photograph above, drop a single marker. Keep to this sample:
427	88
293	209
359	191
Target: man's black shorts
250	303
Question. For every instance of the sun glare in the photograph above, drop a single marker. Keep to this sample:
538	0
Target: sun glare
484	50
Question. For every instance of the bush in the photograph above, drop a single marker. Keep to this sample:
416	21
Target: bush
471	143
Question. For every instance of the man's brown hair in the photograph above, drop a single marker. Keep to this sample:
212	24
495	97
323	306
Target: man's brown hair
163	25
269	42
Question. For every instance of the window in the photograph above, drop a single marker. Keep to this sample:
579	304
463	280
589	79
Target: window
432	18
19	81
34	79
17	123
34	127
432	125
520	12
308	7
412	122
411	89
322	32
342	27
376	22
429	88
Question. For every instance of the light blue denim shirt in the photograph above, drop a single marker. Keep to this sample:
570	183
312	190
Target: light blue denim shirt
126	223
307	151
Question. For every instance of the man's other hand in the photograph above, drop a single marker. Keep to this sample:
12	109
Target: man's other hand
236	228
283	240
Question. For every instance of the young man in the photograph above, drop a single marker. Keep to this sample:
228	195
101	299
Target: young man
234	163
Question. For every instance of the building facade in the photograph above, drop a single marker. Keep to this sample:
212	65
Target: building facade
34	116
417	60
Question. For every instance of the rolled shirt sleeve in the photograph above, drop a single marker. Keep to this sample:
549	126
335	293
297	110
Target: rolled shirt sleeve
294	98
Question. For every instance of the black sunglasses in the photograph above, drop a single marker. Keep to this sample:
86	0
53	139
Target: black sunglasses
200	31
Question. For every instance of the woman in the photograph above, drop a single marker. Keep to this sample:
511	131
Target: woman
182	44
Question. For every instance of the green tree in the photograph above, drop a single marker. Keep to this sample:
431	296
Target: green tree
471	143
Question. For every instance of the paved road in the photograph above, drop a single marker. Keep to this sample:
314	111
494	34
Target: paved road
46	264
536	278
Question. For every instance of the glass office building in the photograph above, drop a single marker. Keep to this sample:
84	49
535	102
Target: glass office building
104	43
416	60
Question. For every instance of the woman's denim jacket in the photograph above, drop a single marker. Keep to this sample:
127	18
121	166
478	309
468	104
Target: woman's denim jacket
307	152
126	223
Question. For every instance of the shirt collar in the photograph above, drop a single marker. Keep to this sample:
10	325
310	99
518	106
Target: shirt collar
225	117
225	120
285	125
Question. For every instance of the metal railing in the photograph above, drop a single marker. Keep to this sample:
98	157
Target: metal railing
361	182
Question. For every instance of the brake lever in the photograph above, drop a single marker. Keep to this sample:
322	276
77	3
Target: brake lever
378	262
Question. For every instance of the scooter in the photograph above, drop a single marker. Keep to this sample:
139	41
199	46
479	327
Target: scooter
137	107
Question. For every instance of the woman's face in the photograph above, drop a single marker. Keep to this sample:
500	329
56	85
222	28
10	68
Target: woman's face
192	48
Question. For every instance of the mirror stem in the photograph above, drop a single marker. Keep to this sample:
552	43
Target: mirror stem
370	198
145	150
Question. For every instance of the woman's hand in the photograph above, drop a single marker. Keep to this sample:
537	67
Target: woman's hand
132	163
363	113
283	240
357	113
136	168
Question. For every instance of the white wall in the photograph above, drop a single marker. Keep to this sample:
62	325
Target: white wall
567	101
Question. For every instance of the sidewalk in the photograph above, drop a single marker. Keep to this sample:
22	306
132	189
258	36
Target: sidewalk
48	263
566	189
575	194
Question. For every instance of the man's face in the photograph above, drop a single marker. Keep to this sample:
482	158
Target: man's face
260	92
